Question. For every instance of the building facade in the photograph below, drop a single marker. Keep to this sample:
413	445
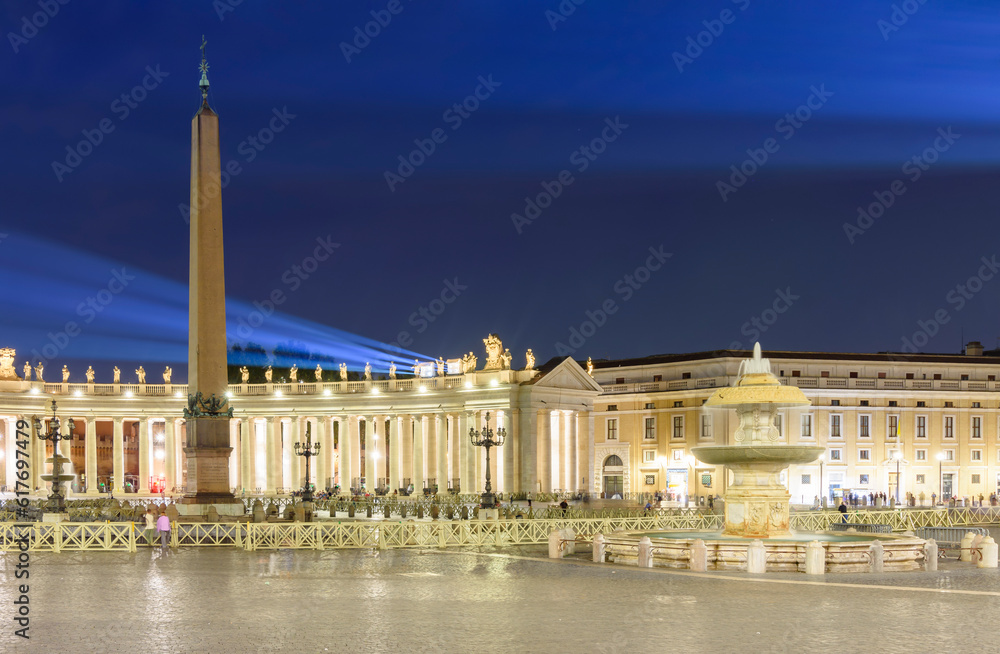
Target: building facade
923	424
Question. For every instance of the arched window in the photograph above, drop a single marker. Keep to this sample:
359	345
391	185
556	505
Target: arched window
613	460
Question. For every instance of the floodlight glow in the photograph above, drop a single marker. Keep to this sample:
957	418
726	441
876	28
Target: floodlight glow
277	393
160	455
77	393
494	382
229	393
422	389
326	391
34	391
374	391
129	393
468	384
178	394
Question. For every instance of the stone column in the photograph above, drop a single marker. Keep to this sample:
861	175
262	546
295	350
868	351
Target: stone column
437	425
463	447
236	447
169	453
587	458
527	436
406	450
371	447
38	456
417	476
545	451
298	463
272	456
454	453
90	455
118	454
350	458
246	455
573	450
395	455
325	446
507	452
144	452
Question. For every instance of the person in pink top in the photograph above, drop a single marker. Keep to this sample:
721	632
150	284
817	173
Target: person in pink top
163	526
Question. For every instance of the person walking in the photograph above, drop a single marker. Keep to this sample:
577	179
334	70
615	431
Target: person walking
843	511
163	526
150	527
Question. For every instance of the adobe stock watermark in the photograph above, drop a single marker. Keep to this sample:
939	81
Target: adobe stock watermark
581	158
88	311
757	325
36	21
122	107
787	126
698	43
426	314
957	297
249	147
625	287
564	10
898	17
293	277
913	168
363	34
454	116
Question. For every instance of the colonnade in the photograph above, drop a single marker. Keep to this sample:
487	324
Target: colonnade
545	450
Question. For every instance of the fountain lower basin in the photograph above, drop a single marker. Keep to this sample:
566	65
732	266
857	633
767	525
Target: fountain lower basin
843	552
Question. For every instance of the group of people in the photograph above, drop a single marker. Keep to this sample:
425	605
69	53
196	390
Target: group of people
154	524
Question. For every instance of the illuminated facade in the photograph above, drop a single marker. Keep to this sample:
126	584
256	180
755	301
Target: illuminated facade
628	430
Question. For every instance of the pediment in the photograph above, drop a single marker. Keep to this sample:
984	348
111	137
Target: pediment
570	376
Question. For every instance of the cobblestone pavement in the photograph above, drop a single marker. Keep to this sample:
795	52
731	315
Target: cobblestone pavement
512	600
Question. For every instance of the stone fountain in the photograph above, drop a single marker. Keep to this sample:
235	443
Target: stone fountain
756	502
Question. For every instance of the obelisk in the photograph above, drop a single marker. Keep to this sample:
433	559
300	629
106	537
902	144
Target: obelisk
208	414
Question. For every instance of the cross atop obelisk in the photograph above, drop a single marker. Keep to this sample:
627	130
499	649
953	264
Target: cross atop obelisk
208	413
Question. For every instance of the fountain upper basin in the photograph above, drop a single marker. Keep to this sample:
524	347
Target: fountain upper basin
760	456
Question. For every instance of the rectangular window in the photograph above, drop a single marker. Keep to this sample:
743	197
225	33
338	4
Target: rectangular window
657	378
650	480
921	426
921	455
806	479
649	405
779	425
949	405
612	407
619	380
892	429
835	425
678	403
685	375
976	479
920	479
678	455
612	429
937	375
949	426
921	403
835	455
977	455
909	375
893	403
965	378
864	426
976	405
863	403
824	373
796	373
650	428
881	375
649	456
949	455
807	425
864	455
678	426
706	426
834	402
863	480
977	426
853	375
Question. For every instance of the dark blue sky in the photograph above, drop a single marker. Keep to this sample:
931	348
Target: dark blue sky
879	97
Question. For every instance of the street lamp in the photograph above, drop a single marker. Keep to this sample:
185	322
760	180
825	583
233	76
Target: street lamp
487	439
308	450
57	499
898	455
940	458
822	491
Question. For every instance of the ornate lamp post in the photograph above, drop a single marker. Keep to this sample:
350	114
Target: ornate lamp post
308	450
487	439
898	455
57	498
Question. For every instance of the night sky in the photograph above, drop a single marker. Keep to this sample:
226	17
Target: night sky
626	124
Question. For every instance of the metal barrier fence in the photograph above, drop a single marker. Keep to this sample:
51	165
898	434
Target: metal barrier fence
949	536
